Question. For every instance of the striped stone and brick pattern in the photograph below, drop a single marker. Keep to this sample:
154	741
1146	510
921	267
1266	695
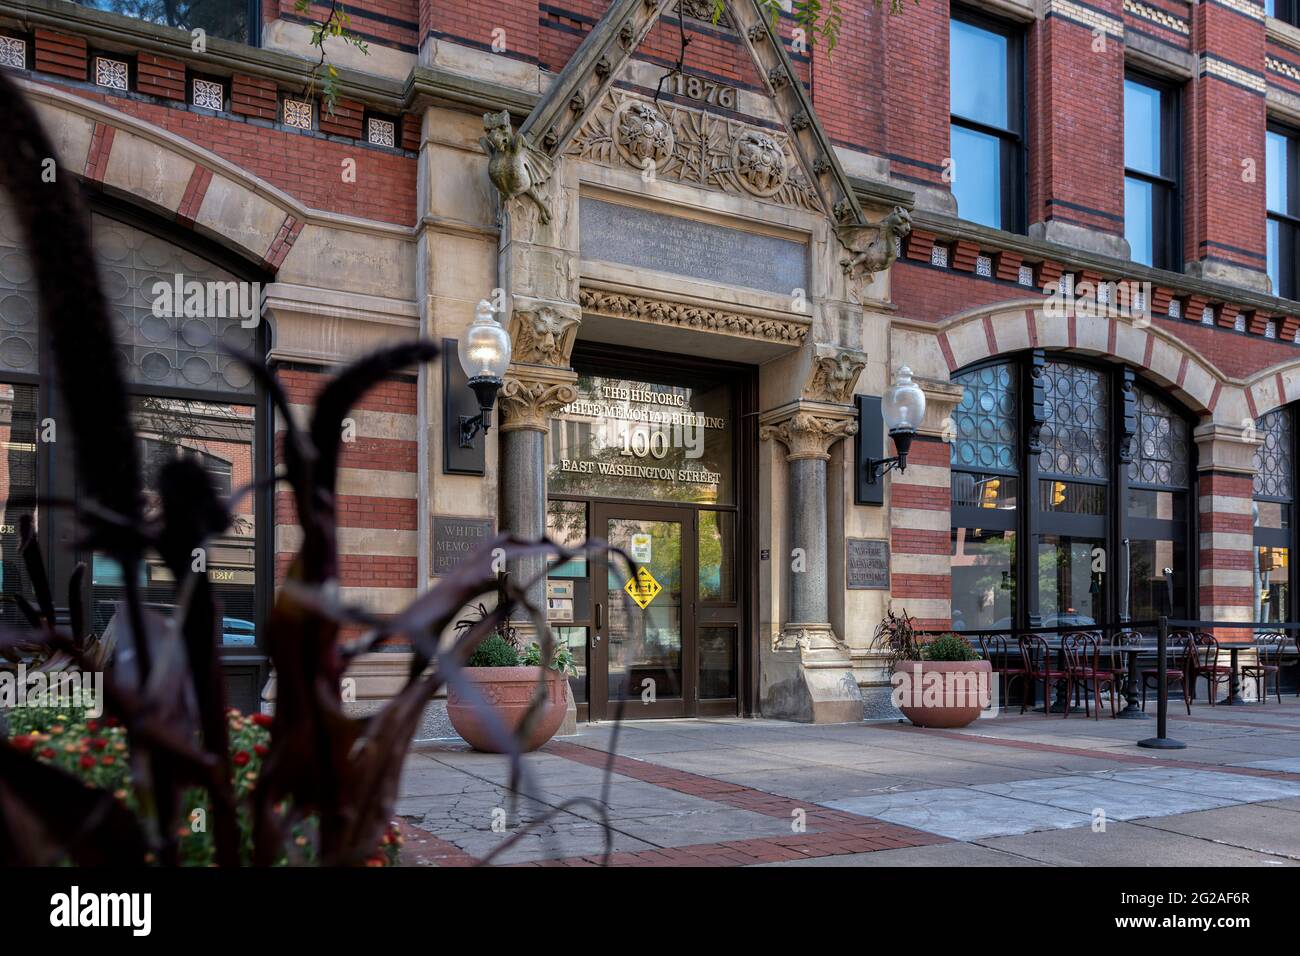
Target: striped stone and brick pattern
1226	545
920	512
378	491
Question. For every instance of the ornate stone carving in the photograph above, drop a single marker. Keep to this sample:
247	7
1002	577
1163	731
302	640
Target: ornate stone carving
806	638
702	10
527	402
779	78
759	162
698	148
515	166
686	316
641	134
806	435
873	248
835	372
542	335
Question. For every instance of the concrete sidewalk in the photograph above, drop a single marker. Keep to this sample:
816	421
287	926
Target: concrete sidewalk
1014	791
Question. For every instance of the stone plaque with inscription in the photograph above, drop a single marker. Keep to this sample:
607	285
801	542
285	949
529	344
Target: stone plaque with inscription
867	564
630	236
454	539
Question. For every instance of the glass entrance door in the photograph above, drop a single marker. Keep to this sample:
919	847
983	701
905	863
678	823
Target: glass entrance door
643	648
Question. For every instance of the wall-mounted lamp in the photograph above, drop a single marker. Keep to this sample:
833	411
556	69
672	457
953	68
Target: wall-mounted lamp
902	408
484	357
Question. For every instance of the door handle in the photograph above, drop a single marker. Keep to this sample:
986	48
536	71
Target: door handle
599	620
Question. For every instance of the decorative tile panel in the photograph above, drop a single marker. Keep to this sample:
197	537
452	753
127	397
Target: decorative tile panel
381	132
984	266
296	113
209	95
111	73
13	53
1027	275
939	256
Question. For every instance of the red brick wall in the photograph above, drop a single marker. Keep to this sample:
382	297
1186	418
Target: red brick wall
1076	90
1223	125
305	167
391	23
915	72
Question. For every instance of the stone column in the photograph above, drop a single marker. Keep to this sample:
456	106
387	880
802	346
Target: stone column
528	397
807	673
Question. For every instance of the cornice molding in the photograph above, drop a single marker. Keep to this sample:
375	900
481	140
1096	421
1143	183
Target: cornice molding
687	315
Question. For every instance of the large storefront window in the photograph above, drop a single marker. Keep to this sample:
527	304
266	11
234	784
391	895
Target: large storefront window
1086	561
188	399
1272	513
646	458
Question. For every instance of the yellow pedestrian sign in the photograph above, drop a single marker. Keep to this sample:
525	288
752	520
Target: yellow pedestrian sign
643	588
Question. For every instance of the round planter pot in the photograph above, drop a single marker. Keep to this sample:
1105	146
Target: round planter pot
507	690
942	693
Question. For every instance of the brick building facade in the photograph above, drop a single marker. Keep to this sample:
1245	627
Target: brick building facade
1096	314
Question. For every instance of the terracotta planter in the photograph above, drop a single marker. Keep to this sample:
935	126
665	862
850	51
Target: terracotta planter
942	693
507	691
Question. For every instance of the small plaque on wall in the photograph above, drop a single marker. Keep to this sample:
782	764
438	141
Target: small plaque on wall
455	538
866	564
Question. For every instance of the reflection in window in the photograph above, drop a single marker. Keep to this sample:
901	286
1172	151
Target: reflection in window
1151	173
18	490
717	559
717	662
225	19
1274	492
1070	580
1149	591
575	638
985	419
983	578
566	525
220	438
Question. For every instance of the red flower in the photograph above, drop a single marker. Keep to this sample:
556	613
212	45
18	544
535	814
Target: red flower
92	725
261	749
262	720
87	761
108	760
48	753
23	743
99	743
241	758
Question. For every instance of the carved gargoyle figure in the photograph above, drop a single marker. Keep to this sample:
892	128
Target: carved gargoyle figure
515	166
540	337
873	248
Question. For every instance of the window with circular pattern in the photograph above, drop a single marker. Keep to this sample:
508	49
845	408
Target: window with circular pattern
985	420
1161	450
1274	472
1076	433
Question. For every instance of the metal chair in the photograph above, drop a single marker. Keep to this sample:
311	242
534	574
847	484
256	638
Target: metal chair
1269	649
997	647
1204	662
1184	641
1040	665
1082	652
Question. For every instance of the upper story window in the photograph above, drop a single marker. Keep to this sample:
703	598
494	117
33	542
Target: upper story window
1283	202
237	20
1287	10
1151	221
987	96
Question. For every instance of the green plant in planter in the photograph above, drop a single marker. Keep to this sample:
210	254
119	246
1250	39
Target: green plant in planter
561	659
949	647
494	651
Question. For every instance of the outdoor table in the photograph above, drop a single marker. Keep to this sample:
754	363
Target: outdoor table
1234	682
1131	649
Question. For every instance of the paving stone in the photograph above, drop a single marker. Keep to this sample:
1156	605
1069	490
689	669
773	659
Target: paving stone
942	854
1251	826
1234	786
1117	800
1128	845
960	813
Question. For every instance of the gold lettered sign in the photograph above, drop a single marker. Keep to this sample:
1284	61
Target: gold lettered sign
643	588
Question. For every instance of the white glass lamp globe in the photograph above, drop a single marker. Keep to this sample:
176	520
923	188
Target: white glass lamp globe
903	405
485	346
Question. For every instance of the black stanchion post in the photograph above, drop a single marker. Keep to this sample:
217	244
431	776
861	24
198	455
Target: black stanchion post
1162	740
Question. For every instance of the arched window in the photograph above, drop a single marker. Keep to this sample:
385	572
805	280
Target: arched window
1273	515
1071	495
174	302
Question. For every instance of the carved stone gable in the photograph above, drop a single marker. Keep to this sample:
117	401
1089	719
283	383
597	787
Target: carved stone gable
695	147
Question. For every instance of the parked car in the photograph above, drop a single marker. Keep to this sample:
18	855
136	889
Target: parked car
236	632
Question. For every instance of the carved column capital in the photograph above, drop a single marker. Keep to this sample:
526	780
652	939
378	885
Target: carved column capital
529	397
807	435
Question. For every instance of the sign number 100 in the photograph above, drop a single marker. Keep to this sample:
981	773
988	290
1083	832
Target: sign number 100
639	444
